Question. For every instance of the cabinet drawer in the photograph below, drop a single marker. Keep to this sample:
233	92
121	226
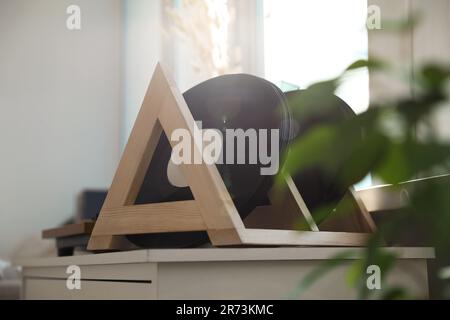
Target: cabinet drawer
90	289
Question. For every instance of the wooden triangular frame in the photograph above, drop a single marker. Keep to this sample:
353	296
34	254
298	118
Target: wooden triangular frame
164	110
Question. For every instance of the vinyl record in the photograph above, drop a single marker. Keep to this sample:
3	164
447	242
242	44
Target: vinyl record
318	188
228	102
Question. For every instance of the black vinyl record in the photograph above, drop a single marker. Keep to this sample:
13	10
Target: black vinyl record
318	188
227	102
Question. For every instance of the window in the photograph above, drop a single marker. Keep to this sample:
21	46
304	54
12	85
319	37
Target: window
308	41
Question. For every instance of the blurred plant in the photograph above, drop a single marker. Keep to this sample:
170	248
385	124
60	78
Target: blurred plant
203	26
390	151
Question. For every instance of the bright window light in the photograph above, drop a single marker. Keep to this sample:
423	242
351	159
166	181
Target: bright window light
306	41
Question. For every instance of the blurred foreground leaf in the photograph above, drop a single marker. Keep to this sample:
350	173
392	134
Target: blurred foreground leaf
445	273
389	148
325	267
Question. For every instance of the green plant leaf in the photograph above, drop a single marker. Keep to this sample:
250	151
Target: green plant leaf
444	273
325	267
433	76
372	64
315	100
354	273
314	149
396	293
404	160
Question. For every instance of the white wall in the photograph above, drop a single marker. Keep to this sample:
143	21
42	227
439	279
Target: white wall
394	48
59	111
431	43
407	52
141	52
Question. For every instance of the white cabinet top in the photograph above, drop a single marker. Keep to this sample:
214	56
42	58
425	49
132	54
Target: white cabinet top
217	254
